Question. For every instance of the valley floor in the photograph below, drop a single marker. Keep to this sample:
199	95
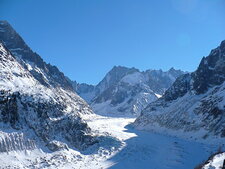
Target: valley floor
120	147
145	150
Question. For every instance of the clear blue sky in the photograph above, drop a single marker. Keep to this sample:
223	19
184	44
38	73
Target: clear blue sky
86	38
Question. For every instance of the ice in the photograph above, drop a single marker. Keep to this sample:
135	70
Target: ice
120	147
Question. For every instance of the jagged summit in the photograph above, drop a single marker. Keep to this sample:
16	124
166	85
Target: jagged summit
46	74
222	45
210	71
174	71
121	68
195	103
127	90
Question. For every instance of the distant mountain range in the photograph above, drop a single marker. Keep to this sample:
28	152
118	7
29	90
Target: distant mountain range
194	104
126	91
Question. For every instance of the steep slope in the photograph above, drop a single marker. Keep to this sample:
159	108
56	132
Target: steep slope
216	161
127	91
36	110
46	74
194	105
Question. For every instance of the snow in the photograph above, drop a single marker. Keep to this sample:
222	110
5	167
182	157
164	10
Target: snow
63	110
127	90
119	147
15	141
141	100
216	162
15	79
134	78
158	95
183	117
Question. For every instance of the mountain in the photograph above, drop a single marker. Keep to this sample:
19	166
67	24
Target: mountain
126	91
194	104
215	161
38	107
46	74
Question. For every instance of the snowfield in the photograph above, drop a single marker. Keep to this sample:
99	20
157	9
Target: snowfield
216	162
119	147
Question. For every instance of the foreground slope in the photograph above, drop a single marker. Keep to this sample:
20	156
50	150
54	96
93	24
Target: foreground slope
120	147
130	148
194	105
127	91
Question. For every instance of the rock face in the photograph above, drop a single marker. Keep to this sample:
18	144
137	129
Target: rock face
195	102
210	71
127	91
33	101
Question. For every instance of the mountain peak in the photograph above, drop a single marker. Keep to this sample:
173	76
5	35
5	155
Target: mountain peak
172	69
4	22
222	45
122	69
127	90
46	74
211	70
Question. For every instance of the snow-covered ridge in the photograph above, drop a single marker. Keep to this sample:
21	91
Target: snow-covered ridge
15	78
217	162
194	106
46	74
127	91
35	100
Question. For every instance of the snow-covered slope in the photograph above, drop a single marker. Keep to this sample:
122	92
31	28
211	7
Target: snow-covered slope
120	147
127	91
216	162
36	113
46	74
194	104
